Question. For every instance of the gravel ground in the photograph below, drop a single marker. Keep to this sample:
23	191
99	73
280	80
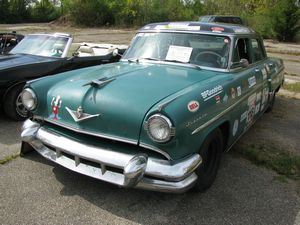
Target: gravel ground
35	191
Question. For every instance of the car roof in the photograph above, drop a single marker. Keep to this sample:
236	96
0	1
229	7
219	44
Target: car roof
198	27
54	34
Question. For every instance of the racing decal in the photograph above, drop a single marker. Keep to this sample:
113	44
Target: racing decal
257	108
55	105
193	106
218	99
235	127
264	98
264	73
258	96
239	91
251	110
210	93
251	81
267	68
233	93
243	116
225	98
217	29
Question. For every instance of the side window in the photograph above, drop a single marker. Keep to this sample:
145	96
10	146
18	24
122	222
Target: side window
241	50
258	53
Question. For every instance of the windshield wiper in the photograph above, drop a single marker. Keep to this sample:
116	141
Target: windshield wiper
186	63
139	59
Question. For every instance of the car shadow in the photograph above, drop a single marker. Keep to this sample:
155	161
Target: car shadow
242	194
9	130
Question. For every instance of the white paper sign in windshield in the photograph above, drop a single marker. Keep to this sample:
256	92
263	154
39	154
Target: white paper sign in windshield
179	53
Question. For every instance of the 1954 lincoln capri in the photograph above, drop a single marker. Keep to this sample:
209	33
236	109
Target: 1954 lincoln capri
159	119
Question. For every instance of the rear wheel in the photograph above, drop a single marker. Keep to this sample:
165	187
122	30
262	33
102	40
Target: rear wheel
272	101
211	153
13	106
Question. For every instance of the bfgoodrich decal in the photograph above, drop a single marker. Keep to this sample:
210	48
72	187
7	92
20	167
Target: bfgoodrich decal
210	93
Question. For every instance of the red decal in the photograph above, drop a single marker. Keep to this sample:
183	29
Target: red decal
193	106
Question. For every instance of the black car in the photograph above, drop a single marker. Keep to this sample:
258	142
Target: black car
9	40
39	55
221	19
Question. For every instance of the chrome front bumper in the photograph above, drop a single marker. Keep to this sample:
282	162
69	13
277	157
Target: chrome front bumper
139	171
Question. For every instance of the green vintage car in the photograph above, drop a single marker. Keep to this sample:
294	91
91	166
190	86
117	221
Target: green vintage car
159	119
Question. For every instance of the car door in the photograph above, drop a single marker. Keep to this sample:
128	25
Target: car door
246	90
262	69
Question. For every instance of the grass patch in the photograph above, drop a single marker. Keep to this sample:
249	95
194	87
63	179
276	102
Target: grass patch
284	163
292	87
9	158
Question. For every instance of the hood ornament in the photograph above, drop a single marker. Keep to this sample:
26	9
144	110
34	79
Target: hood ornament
79	115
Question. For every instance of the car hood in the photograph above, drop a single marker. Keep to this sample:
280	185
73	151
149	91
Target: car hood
9	61
122	103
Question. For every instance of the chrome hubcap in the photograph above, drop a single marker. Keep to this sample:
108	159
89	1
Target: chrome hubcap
20	108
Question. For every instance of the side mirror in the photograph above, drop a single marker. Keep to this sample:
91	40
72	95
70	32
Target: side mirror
244	63
115	52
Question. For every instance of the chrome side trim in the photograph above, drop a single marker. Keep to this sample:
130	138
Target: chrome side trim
225	111
143	145
125	140
163	105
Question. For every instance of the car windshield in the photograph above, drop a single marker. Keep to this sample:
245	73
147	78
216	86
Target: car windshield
197	49
43	45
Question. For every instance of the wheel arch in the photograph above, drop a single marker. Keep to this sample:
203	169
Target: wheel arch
11	87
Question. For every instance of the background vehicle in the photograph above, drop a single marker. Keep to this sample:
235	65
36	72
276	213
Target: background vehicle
161	118
39	55
221	19
8	41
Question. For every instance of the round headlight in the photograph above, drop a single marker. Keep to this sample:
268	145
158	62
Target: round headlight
29	99
159	128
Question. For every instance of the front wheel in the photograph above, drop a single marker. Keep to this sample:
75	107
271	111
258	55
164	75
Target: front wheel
13	106
211	153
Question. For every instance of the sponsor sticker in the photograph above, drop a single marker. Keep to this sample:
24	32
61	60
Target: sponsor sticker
267	68
264	73
251	81
193	106
225	98
243	116
233	93
55	105
239	91
177	26
258	96
218	99
210	93
252	109
235	127
257	108
217	29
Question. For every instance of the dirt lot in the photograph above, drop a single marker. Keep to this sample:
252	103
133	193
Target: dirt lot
35	191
